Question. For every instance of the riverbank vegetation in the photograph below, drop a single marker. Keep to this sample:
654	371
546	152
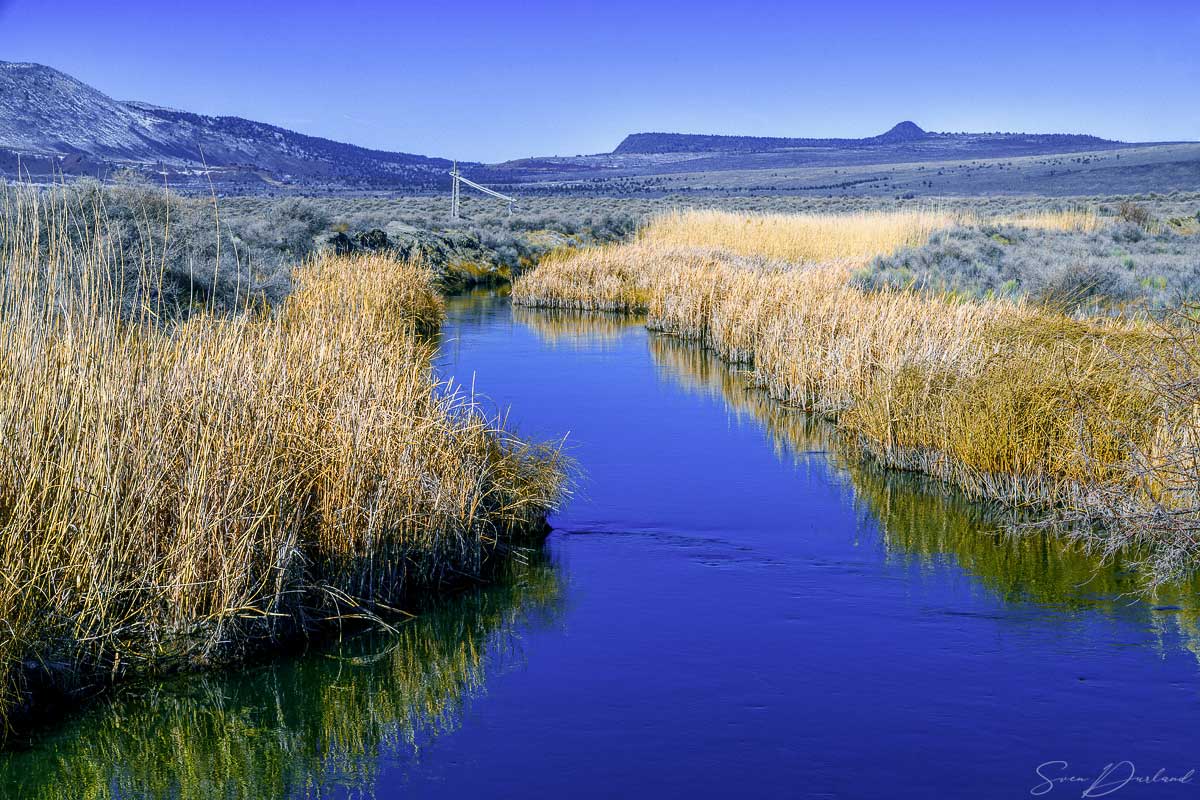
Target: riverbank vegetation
1012	400
261	238
190	478
293	727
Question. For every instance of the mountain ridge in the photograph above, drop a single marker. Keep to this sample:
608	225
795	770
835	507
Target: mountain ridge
53	125
56	124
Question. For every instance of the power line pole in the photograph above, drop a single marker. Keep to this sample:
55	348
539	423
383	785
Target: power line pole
454	192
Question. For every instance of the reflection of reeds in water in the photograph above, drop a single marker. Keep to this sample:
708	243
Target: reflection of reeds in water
292	728
922	521
930	525
566	328
792	433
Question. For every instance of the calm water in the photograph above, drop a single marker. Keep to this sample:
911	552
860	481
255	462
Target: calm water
729	607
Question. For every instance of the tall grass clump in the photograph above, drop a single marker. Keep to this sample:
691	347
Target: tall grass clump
1011	401
1081	219
182	489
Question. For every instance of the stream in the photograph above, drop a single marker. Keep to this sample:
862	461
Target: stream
731	605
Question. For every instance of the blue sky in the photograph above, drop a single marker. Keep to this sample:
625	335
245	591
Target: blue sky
490	81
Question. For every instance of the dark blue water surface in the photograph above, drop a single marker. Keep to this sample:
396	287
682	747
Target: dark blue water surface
730	606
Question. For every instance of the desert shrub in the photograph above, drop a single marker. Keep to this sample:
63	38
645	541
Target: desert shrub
1118	266
1127	233
1077	283
289	229
1135	214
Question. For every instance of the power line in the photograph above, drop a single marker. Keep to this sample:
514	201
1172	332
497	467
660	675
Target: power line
456	193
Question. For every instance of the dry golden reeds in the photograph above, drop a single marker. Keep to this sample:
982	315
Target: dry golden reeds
796	237
173	491
1009	401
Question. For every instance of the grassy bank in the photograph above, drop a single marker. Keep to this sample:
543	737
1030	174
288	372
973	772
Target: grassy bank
295	726
1009	400
181	486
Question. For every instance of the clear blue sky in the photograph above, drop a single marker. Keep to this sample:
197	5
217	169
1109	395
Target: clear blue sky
490	81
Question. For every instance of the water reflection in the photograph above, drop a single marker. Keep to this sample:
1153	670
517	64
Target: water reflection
793	435
298	726
580	329
923	523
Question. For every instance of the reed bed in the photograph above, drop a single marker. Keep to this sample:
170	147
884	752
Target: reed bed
802	238
180	489
1081	219
1010	401
796	237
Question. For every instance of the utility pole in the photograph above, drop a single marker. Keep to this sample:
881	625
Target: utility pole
454	192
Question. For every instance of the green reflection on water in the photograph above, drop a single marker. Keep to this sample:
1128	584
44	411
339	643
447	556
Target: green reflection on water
296	726
923	523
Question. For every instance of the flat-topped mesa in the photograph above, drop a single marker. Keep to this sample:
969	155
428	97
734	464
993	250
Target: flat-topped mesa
905	131
896	137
